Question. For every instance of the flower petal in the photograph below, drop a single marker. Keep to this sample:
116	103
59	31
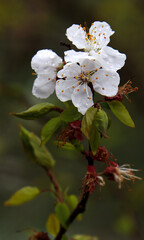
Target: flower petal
73	56
76	35
43	87
102	32
105	82
89	64
44	60
112	59
82	98
65	88
70	70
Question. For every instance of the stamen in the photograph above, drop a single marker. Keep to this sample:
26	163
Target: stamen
103	88
62	90
96	77
58	81
106	75
93	81
79	26
75	77
84	90
89	98
73	86
78	89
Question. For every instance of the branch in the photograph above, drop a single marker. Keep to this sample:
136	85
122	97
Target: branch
80	208
53	180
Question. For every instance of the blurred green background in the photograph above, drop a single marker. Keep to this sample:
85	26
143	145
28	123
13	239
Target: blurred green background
27	26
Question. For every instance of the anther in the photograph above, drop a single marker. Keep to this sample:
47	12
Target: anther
104	37
62	90
96	77
73	86
79	26
84	90
93	81
89	98
103	88
106	75
99	34
78	89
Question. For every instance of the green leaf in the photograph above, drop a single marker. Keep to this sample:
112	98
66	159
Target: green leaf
53	225
94	138
101	122
23	195
72	201
31	143
35	111
49	128
83	237
87	121
63	213
66	145
121	113
70	114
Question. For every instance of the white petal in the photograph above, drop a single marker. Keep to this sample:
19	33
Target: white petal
43	87
112	59
73	56
44	60
76	35
102	32
82	98
105	82
89	64
65	88
69	70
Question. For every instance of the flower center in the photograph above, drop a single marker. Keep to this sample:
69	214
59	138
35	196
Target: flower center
84	77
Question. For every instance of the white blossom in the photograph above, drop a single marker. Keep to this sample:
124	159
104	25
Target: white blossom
78	78
45	63
95	44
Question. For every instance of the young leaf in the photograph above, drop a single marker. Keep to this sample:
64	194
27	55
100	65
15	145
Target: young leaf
101	122
72	201
87	121
23	195
83	237
66	145
121	113
63	213
70	114
35	111
94	137
31	143
53	225
49	128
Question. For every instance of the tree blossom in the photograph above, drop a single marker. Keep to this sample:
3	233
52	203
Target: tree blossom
45	63
121	173
95	44
78	80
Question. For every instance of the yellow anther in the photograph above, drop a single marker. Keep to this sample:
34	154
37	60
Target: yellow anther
83	65
48	78
73	86
84	28
103	33
84	90
79	26
58	81
92	24
96	77
89	98
94	31
62	75
102	26
78	82
99	34
103	88
94	41
104	37
98	52
93	81
96	69
62	90
106	75
76	77
78	89
97	43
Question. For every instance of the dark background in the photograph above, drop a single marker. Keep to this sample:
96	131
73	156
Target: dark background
27	26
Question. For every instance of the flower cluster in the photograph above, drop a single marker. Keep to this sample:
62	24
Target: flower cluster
82	73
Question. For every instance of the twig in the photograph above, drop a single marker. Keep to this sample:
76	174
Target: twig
53	180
